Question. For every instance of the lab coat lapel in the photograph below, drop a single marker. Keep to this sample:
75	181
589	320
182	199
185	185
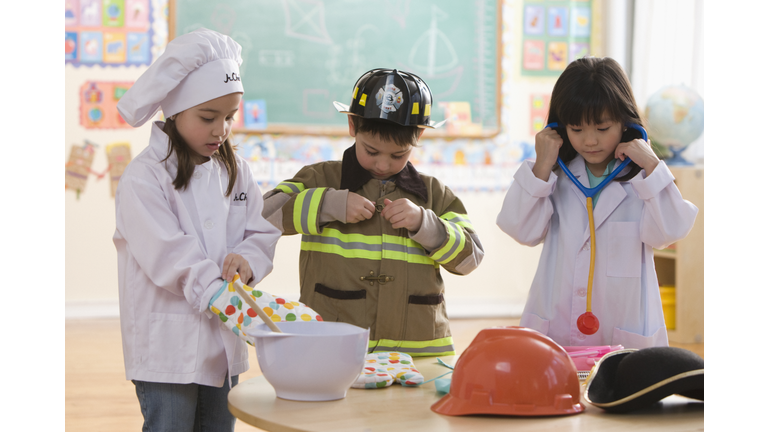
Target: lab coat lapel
613	194
579	170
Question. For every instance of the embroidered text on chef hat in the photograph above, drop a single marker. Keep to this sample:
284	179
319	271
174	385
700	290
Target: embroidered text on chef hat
194	68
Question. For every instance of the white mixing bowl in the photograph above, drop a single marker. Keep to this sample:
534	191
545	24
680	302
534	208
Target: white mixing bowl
311	361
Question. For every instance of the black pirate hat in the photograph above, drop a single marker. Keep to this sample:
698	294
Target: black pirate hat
630	379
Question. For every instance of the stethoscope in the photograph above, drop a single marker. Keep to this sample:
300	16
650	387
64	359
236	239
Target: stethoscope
588	322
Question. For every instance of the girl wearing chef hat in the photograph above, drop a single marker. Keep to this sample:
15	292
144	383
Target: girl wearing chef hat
188	215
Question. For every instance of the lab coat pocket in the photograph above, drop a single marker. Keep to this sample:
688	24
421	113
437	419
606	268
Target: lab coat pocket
235	225
629	339
622	249
173	342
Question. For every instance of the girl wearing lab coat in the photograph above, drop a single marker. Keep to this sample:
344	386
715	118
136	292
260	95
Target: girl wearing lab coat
188	215
639	210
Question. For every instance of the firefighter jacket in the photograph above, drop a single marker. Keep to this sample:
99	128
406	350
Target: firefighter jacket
369	274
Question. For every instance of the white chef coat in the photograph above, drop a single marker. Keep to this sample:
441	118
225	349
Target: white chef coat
171	246
631	218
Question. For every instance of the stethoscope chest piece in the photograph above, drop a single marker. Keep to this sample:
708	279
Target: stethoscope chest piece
588	323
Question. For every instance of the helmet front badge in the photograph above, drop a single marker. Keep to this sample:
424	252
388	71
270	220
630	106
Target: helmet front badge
389	98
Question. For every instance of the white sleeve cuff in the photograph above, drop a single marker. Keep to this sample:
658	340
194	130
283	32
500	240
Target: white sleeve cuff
533	185
650	186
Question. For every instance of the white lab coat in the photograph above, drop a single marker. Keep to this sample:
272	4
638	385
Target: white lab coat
171	246
631	218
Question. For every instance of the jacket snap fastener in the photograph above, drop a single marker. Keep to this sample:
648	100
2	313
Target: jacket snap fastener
382	279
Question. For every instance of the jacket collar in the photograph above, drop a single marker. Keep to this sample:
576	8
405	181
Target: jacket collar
354	176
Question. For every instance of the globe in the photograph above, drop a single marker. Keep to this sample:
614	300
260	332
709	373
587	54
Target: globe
675	116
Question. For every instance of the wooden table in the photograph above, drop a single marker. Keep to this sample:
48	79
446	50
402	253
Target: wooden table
398	408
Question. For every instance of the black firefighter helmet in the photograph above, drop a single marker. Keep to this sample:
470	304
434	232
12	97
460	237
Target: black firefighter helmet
392	95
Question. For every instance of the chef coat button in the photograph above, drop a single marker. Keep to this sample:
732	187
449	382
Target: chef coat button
581	292
581	336
208	224
197	175
585	247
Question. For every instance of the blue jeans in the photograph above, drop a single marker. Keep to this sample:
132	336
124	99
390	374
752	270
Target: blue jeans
184	407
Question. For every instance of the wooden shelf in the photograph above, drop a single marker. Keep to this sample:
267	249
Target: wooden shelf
683	266
665	253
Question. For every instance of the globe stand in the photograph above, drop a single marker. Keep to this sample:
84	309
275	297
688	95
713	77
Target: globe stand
676	158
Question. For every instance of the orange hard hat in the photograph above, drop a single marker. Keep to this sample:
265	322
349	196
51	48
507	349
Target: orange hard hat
513	371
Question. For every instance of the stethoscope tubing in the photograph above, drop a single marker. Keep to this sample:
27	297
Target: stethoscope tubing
591	192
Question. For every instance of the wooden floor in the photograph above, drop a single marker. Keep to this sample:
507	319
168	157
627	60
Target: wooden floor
99	398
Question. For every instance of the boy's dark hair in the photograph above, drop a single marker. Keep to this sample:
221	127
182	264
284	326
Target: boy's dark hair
401	135
186	158
588	90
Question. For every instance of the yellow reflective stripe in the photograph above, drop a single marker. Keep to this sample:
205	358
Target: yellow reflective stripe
405	256
455	235
434	347
415	109
305	211
427	109
374	247
354	95
462	242
314	210
458	219
339	250
363	98
290	187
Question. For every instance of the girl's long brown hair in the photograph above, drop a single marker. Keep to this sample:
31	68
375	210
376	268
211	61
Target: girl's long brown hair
589	89
186	157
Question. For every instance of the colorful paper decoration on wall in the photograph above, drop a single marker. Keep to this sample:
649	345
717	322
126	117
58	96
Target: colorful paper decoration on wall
255	114
98	104
539	111
460	118
78	168
107	32
554	34
118	156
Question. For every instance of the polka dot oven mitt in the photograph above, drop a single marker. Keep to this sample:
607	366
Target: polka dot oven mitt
236	315
384	368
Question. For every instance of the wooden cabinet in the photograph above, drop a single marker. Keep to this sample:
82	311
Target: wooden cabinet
682	266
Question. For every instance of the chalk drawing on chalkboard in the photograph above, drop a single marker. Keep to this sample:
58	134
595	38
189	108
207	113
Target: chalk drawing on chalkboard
317	103
426	47
346	61
276	58
305	19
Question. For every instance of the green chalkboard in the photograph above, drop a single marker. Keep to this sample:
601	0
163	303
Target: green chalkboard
301	55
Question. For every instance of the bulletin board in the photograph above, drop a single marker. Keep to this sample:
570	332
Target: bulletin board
108	32
555	33
301	55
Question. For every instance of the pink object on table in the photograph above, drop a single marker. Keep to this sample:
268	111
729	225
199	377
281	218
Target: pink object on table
586	356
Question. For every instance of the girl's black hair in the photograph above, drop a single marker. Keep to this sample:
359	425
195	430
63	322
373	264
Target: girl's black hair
589	90
186	157
387	130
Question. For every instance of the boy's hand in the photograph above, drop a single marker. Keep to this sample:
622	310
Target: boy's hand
640	152
402	213
548	143
234	263
359	208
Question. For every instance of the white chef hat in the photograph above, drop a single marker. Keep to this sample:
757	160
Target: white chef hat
194	68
